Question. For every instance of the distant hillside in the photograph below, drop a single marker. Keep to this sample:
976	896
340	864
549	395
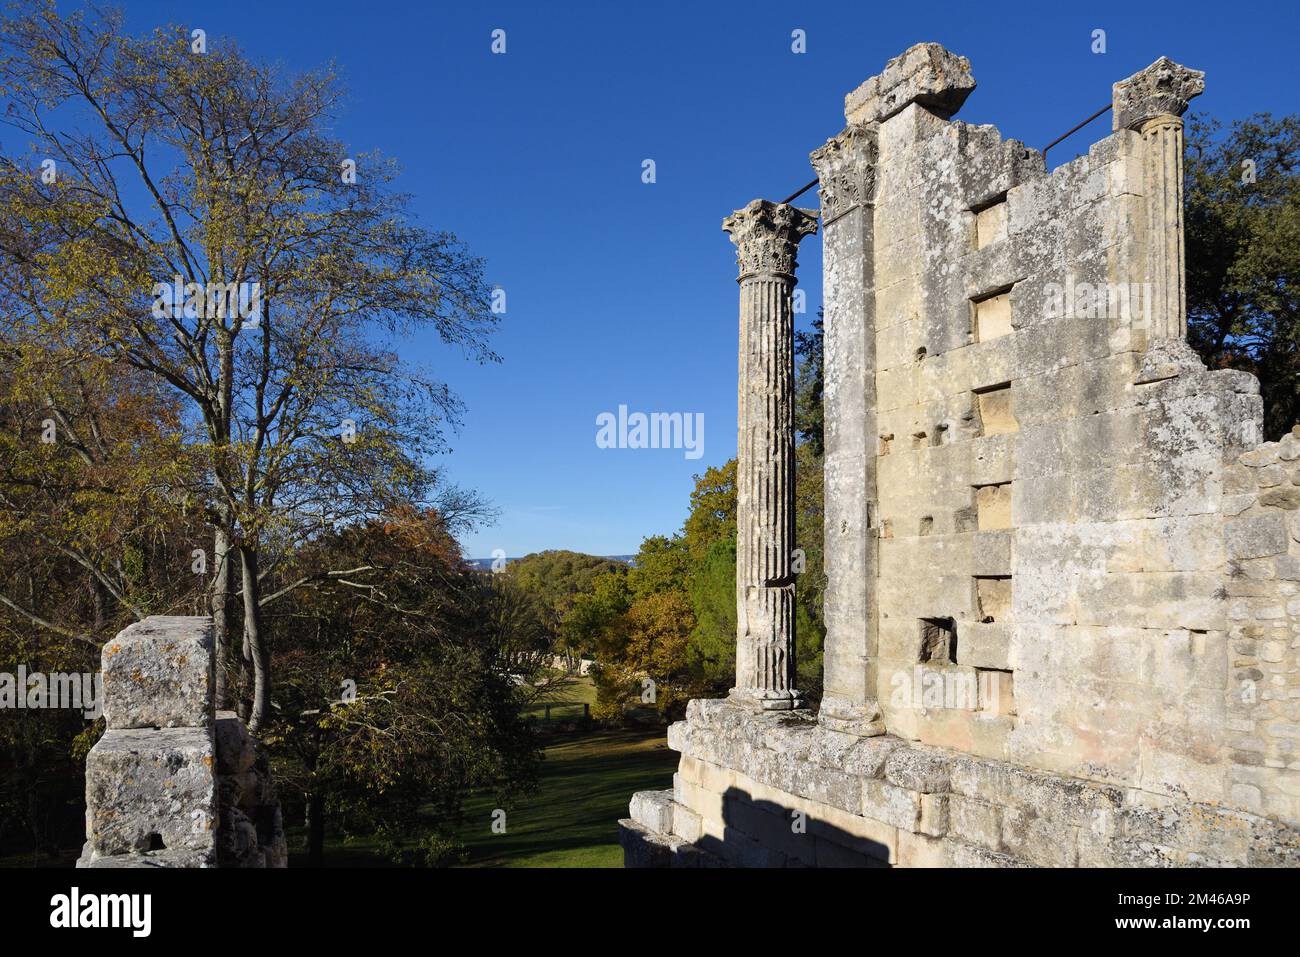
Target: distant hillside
485	564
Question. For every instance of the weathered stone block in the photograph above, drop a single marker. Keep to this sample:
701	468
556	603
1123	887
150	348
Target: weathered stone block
925	73
823	785
158	673
644	848
687	825
934	815
893	805
653	809
237	841
920	850
918	769
151	790
867	757
1039	839
985	645
1255	537
975	821
1285	497
235	749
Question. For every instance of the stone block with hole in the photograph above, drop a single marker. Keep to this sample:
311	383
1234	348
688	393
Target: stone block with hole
151	790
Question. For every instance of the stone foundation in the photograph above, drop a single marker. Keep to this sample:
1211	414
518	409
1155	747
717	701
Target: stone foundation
764	790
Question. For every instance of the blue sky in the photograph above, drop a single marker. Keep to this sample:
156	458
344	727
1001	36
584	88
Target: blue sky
619	292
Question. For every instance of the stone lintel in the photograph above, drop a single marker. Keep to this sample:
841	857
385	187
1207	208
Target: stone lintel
1162	89
927	74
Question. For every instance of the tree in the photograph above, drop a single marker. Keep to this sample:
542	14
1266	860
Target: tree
554	580
641	623
90	539
712	649
401	687
662	564
810	580
588	626
298	269
1243	254
712	516
653	668
808	415
809	509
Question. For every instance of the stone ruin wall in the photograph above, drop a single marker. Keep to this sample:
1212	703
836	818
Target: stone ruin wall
173	782
1063	573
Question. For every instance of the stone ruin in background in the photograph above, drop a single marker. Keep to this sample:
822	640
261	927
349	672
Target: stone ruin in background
174	783
1063	572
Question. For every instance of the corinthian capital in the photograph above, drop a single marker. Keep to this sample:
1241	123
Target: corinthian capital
846	168
1162	89
767	236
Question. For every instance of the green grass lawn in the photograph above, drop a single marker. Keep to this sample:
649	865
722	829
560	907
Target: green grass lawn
566	700
572	821
586	782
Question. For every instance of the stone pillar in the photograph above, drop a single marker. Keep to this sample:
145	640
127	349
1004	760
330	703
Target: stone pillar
171	783
767	239
151	786
1152	103
846	169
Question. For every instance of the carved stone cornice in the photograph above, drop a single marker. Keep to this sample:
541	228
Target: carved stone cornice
1162	89
767	236
846	169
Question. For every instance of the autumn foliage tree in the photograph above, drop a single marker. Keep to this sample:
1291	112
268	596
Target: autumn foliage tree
671	618
91	538
204	301
400	687
169	162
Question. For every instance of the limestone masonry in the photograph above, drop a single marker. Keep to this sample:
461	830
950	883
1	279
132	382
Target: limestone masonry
173	783
1063	598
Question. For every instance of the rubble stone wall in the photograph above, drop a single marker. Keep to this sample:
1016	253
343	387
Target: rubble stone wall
1261	500
172	782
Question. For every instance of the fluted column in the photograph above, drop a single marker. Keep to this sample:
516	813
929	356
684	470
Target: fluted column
1162	146
1152	103
767	239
